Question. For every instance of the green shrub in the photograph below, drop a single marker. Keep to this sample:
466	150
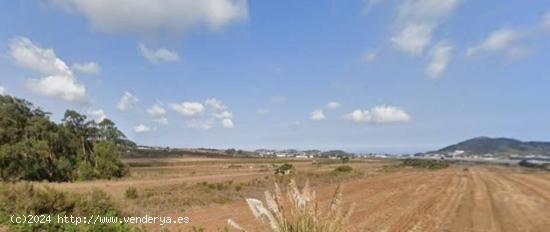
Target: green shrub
343	168
24	198
427	164
131	193
85	171
284	169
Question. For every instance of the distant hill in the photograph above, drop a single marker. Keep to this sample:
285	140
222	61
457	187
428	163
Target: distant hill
499	146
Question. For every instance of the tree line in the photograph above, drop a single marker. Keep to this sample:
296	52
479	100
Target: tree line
32	147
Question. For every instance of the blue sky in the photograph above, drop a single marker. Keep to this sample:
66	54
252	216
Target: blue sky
380	75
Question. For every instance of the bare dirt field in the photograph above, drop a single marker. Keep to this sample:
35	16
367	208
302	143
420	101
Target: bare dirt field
458	198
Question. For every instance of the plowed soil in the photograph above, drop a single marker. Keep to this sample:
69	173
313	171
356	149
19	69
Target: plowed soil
478	198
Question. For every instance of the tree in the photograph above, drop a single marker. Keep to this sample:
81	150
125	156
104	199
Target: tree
75	122
34	148
107	160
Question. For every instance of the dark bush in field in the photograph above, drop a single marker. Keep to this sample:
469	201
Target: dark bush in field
343	168
427	164
284	169
131	193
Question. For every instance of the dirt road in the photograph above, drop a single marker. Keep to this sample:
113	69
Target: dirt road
454	199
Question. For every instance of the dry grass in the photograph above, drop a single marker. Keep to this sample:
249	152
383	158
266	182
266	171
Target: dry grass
298	211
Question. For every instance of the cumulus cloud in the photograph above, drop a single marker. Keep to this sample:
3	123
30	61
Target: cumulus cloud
159	114
157	55
98	115
156	111
188	108
416	22
317	115
29	55
59	81
440	56
141	128
2	90
127	101
151	18
379	115
333	105
89	68
205	115
227	123
499	40
215	103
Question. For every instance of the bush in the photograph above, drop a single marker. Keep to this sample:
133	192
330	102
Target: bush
131	193
343	168
85	171
427	164
285	169
24	198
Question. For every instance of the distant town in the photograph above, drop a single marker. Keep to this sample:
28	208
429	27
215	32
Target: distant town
455	155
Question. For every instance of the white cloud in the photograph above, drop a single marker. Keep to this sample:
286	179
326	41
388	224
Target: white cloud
205	115
499	40
151	18
29	55
161	54
223	114
317	115
413	38
127	101
156	111
159	114
440	56
188	108
64	87
90	67
416	22
379	115
227	123
215	103
59	81
141	128
98	115
2	90
333	105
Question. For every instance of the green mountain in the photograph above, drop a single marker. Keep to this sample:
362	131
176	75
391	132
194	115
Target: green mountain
499	146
